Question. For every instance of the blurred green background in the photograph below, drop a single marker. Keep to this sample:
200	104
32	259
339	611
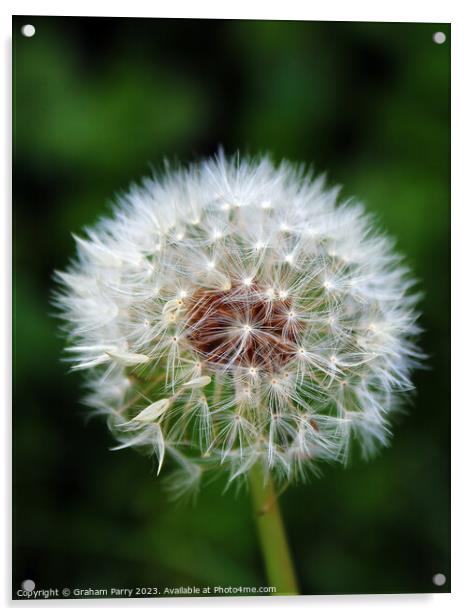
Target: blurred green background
96	103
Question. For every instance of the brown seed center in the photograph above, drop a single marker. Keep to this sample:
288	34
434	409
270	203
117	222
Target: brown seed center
242	327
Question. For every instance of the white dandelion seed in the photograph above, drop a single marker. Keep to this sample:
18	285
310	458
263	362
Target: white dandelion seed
235	313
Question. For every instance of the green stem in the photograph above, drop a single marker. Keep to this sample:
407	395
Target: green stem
277	559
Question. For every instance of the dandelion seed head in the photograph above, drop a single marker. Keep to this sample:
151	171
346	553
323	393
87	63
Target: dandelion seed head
219	326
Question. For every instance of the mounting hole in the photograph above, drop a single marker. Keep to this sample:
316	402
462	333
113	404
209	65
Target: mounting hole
28	30
439	579
439	38
28	585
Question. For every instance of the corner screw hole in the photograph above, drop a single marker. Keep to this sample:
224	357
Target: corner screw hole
439	38
439	579
28	30
28	585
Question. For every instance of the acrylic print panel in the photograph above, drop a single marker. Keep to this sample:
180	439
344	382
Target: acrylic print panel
231	378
